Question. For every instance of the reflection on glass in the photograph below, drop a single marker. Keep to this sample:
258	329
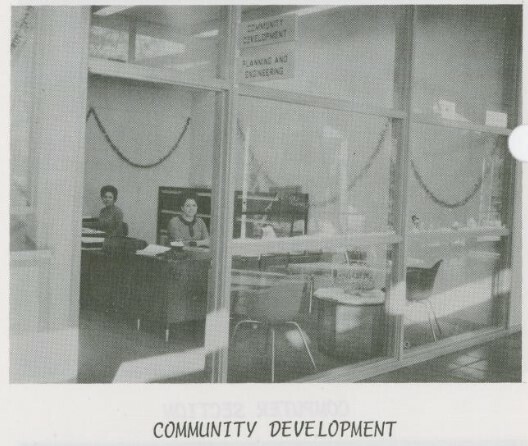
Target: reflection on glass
328	39
466	81
145	310
184	39
108	43
457	180
294	314
350	155
457	191
21	198
452	288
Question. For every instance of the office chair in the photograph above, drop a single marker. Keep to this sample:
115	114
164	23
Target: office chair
420	284
120	268
124	229
275	307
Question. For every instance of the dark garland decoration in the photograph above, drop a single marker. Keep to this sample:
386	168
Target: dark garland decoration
362	172
454	204
91	111
350	185
24	24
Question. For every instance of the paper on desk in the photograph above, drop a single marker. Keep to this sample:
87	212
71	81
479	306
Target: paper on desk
91	231
92	240
152	250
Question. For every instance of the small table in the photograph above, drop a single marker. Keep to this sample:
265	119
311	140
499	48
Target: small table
320	268
351	325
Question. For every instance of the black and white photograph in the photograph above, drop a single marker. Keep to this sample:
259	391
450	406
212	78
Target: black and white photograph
264	194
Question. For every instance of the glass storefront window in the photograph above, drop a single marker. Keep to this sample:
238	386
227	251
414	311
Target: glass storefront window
147	308
285	147
312	299
460	171
316	130
458	193
187	40
335	54
297	313
452	286
457	179
459	59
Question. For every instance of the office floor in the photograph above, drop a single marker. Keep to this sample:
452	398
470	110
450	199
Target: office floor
106	343
495	361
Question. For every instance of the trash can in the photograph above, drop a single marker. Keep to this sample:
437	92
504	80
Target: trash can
351	325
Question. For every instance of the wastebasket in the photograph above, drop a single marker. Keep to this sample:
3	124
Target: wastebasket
351	325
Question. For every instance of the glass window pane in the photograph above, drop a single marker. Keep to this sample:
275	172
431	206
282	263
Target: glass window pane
458	178
295	314
147	311
321	171
335	53
458	189
22	158
189	40
452	287
109	38
460	57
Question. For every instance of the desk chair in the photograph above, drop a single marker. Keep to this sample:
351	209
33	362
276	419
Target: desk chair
274	307
420	284
120	253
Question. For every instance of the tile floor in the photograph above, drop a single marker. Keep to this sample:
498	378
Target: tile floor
496	361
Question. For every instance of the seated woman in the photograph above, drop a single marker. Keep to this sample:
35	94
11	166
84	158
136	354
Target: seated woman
111	217
187	227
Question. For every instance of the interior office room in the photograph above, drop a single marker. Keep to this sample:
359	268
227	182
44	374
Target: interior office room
264	193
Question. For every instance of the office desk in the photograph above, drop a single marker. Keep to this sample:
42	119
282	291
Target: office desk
146	288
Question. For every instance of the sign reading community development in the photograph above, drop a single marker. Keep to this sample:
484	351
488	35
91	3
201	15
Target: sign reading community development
268	31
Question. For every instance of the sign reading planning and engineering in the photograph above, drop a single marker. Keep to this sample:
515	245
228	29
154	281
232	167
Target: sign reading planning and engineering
267	66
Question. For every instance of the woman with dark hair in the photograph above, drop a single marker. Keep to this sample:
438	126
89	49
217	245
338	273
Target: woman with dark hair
187	227
110	217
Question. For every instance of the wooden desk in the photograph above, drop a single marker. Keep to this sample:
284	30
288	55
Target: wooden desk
146	288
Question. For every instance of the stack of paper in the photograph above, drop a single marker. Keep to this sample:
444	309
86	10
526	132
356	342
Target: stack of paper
152	250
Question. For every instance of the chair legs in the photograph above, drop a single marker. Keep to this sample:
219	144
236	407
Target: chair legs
272	330
244	321
272	336
296	325
435	318
429	311
311	286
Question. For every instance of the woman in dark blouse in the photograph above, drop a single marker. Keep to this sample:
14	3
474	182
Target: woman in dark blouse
110	217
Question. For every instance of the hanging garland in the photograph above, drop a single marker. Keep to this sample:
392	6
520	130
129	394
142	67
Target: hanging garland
24	25
91	112
350	185
455	204
362	172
